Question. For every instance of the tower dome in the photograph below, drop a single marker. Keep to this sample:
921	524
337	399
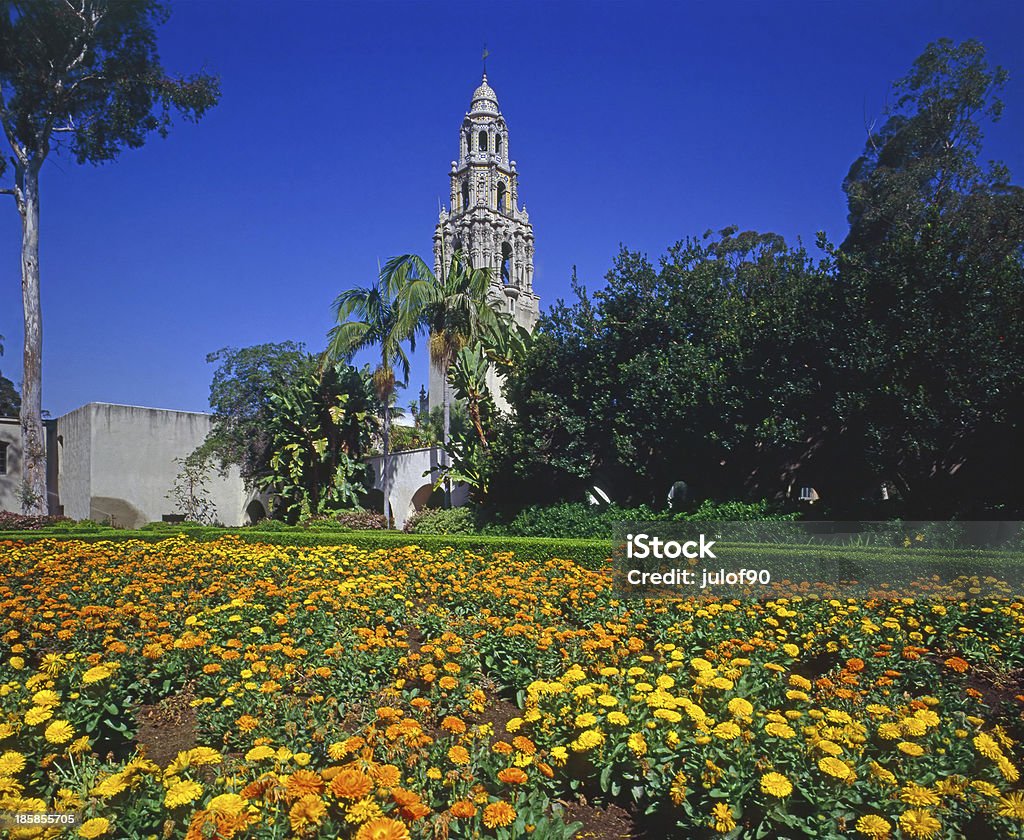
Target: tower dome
485	100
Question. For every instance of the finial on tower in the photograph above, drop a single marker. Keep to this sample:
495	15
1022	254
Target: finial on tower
484	59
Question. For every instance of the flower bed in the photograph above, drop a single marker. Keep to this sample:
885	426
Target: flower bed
339	692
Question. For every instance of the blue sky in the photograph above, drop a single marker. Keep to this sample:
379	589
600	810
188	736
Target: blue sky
632	122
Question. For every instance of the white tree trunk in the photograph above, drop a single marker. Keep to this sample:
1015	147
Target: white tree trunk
33	440
385	479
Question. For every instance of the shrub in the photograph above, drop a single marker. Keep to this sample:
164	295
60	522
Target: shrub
761	511
20	522
454	521
571	520
360	520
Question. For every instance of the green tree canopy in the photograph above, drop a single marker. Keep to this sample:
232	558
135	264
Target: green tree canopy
240	401
930	326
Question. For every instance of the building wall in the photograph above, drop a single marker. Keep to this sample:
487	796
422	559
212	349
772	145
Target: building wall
10	480
409	489
117	463
73	452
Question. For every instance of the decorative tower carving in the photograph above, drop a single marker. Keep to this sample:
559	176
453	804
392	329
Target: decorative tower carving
485	221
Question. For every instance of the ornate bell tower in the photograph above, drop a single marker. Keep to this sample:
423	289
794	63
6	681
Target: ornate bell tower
485	222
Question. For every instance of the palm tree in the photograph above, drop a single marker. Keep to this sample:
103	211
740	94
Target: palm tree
453	309
385	315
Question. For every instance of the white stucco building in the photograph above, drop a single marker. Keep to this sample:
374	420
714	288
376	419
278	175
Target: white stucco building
116	463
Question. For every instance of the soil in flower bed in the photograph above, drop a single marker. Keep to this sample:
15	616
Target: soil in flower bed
166	728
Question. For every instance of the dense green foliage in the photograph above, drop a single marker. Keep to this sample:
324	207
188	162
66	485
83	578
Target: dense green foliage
240	402
930	318
319	427
886	375
461	520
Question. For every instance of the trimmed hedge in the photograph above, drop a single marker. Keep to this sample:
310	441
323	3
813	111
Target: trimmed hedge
590	553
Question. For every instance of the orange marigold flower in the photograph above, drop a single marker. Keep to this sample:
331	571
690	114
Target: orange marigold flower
502	748
955	663
247	723
409	804
302	783
453	724
383	828
524	745
458	755
351	784
499	814
386	775
463	809
855	665
512	776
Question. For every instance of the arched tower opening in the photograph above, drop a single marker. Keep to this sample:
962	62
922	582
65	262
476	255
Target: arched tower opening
465	194
502	197
482	141
506	263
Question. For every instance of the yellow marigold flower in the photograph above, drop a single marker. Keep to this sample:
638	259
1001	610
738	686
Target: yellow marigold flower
913	727
985	788
363	811
458	755
722	819
700	664
95	827
1006	768
910	748
671	715
81	745
883	775
740	708
11	763
46	697
181	792
836	768
585	720
587	740
37	714
874	827
559	756
678	790
306	813
793	694
829	747
919	796
727	730
607	700
791	650
796	681
722	683
499	814
780	730
59	732
889	731
775	784
259	753
111	786
930	718
198	756
619	719
96	674
637	744
919	825
1011	806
